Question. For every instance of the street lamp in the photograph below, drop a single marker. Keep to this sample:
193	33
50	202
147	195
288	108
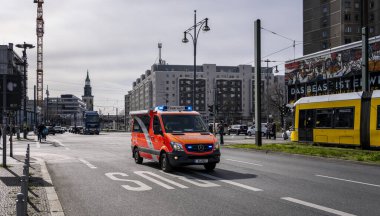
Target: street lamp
24	46
197	28
267	85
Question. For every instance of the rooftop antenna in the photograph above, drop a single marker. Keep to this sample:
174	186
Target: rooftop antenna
159	53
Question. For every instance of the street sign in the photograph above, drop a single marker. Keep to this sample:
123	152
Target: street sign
13	92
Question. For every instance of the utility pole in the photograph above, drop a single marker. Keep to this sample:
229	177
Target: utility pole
47	105
366	97
35	106
257	44
25	46
4	121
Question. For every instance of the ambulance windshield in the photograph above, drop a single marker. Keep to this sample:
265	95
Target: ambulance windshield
184	124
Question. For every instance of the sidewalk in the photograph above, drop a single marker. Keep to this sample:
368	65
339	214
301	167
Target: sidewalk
42	197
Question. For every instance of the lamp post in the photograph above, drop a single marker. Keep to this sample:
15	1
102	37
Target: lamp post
196	28
25	46
267	85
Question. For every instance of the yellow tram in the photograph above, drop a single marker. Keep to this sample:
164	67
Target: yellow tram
342	119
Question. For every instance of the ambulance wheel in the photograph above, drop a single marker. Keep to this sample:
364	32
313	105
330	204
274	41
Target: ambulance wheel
164	163
210	166
137	157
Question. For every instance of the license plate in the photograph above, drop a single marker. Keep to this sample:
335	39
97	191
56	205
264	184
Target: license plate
201	161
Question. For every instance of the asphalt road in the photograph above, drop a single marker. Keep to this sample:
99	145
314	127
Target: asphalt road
96	175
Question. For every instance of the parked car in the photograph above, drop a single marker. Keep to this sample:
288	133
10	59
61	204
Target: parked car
210	127
252	130
58	129
237	129
50	130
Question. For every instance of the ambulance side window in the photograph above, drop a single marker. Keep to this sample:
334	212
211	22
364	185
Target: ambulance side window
157	126
136	127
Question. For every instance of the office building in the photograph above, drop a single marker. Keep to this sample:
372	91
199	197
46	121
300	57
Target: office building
230	87
331	23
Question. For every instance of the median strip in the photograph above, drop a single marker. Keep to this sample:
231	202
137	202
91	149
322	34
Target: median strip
370	156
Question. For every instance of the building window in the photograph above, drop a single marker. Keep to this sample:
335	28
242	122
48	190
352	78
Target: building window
347	4
371	29
348	29
347	17
372	4
324	45
324	34
347	40
357	5
357	17
167	82
324	22
324	9
371	17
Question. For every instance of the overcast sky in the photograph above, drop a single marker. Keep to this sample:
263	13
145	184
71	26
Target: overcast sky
116	40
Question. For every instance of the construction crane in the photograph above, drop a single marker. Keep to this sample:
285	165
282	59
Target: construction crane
40	35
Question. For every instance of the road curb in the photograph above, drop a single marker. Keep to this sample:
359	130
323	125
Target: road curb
53	200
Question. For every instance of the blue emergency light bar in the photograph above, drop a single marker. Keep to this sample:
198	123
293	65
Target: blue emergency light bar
174	108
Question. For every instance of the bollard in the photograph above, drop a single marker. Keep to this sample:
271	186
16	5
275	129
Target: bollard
24	190
25	172
20	202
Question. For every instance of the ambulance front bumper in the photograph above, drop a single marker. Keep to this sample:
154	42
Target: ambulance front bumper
182	159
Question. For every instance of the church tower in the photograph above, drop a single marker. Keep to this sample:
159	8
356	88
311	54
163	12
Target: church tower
87	97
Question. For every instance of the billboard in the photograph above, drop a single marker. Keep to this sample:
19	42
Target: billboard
332	72
13	92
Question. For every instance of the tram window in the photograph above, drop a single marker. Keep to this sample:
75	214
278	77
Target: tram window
344	118
324	118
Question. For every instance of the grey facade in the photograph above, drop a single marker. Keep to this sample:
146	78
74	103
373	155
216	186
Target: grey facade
65	110
331	23
12	64
230	86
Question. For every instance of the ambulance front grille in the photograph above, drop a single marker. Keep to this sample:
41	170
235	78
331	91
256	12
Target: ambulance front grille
199	147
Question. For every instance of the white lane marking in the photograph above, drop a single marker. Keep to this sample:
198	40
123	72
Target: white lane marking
58	142
326	209
145	174
67	148
88	163
38	144
255	164
347	180
192	180
141	186
229	182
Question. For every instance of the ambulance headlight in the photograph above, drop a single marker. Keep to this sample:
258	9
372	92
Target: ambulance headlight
176	146
216	145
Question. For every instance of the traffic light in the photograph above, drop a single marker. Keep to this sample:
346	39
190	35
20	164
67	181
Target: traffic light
284	110
211	108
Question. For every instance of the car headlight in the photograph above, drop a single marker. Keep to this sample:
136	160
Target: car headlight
176	146
216	145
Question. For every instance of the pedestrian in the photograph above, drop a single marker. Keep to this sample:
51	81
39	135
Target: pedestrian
269	130
39	132
221	132
274	130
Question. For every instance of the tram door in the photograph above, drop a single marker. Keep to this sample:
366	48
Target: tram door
306	125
